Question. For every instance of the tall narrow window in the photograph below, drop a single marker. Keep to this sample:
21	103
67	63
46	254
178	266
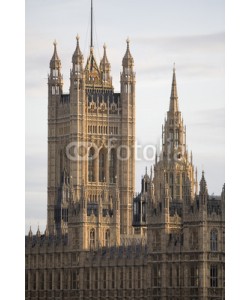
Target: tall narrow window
177	276
34	281
139	278
26	280
156	275
91	165
55	73
113	278
130	278
214	240
75	280
194	276
171	180
41	281
107	238
96	279
176	138
92	238
87	278
77	69
53	90
65	279
104	278
183	185
102	166
58	280
121	278
170	139
112	166
156	241
50	281
170	276
213	276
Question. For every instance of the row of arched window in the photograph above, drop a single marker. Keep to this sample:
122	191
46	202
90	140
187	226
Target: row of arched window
102	160
92	238
103	129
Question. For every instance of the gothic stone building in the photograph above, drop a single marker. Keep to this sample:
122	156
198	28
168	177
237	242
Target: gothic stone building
102	241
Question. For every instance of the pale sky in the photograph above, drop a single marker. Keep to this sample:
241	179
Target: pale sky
189	33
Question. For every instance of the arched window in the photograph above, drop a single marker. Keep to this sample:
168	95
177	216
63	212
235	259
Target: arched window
92	238
156	241
194	275
107	238
55	73
214	240
213	276
176	138
171	181
91	170
112	166
102	166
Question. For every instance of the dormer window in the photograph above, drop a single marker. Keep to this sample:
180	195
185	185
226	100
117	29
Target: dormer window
55	73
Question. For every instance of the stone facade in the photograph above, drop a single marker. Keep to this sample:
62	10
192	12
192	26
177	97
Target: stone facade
102	241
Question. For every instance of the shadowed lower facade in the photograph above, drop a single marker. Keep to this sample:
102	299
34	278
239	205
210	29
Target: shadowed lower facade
102	241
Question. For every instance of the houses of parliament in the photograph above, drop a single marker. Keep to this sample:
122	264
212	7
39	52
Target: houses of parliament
103	241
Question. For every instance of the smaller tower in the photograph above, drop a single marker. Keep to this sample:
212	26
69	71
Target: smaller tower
77	60
55	90
30	233
203	195
38	233
105	68
127	166
55	79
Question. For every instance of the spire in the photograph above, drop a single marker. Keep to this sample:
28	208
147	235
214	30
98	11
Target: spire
91	31
38	233
174	97
46	232
77	56
105	66
55	60
203	184
104	61
30	233
128	60
196	181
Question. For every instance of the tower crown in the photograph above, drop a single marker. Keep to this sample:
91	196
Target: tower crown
105	68
77	57
128	60
55	61
104	64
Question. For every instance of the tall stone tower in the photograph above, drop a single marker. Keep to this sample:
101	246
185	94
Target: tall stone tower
174	184
175	166
91	136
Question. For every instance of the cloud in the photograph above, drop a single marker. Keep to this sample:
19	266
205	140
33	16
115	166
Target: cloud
212	118
212	43
195	55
